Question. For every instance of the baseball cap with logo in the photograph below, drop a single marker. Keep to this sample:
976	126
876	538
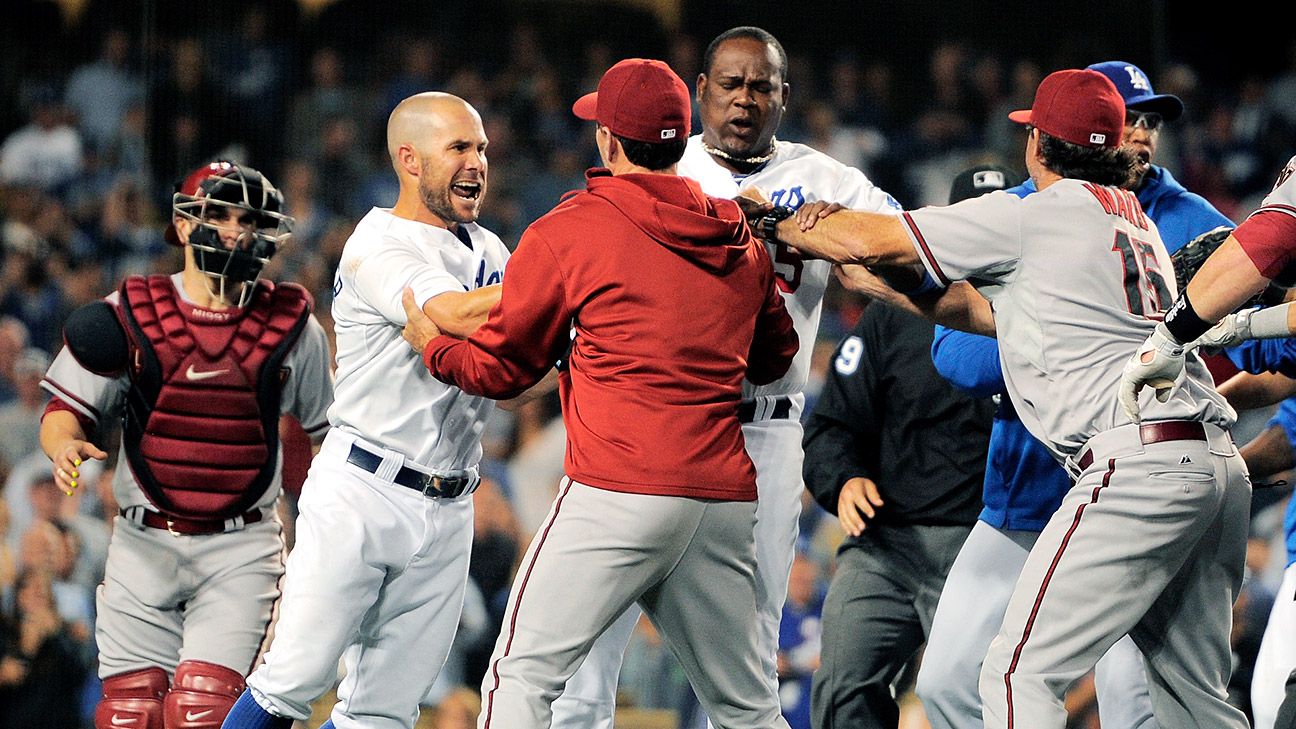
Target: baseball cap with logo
639	99
980	180
1136	89
1080	107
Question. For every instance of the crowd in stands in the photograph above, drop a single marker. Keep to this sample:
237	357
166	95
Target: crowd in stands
94	143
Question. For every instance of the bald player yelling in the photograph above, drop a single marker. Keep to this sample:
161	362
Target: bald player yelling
381	562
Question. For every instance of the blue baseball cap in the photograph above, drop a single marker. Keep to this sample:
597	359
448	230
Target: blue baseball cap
1136	89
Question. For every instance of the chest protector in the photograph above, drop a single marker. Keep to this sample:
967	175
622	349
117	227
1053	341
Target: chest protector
201	423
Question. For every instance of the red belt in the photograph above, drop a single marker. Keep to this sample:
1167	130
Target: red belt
1161	432
192	527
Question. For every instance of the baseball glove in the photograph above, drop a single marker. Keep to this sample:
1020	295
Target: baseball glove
1189	259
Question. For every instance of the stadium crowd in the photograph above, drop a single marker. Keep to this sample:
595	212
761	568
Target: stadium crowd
95	137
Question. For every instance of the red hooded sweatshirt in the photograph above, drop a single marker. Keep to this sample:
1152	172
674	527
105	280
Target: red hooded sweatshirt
673	303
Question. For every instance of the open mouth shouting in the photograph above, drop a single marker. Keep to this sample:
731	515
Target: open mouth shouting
466	189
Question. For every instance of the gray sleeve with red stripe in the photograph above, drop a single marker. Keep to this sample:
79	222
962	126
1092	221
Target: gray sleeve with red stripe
92	396
978	238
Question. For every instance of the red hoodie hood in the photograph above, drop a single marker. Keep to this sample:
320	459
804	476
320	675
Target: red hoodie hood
672	210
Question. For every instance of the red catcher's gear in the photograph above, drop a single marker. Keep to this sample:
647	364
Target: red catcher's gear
132	700
201	424
203	693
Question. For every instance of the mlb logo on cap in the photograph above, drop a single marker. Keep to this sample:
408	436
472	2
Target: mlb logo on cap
640	99
1097	138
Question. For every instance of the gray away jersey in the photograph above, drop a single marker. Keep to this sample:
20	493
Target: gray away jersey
1078	277
384	393
795	175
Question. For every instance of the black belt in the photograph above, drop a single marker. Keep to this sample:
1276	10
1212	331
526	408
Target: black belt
425	483
1161	432
191	527
747	410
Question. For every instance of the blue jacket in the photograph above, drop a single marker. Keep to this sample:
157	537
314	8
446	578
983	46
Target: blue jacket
1273	355
1024	485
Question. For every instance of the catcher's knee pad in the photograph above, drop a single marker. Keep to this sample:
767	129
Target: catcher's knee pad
201	695
132	700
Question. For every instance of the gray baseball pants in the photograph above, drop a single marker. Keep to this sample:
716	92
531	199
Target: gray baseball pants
689	563
1150	541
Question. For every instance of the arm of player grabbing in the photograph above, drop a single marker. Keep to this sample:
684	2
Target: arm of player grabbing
460	313
851	236
958	307
65	442
1246	391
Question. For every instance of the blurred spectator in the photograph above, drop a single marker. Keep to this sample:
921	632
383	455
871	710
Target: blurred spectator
101	92
129	236
800	631
497	546
651	678
51	550
342	168
329	101
252	66
189	116
20	419
8	560
47	152
35	300
420	70
41	666
13	341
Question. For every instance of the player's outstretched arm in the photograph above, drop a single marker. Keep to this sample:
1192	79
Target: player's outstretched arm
65	443
1246	391
1268	454
460	313
959	306
1225	281
851	236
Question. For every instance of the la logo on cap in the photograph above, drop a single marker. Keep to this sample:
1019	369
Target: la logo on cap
1097	138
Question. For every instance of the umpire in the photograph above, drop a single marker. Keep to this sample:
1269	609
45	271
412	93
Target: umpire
899	456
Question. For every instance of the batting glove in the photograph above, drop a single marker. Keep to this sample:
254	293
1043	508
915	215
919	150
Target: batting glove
1232	330
1159	371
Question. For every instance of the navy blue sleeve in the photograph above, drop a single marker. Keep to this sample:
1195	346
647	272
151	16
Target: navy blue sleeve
969	361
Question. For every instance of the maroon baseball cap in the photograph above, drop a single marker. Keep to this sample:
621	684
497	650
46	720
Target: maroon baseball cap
1080	107
640	99
188	188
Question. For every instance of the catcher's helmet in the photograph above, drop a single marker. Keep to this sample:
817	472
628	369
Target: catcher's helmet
221	190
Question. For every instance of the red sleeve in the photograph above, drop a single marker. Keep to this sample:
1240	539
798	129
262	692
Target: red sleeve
526	333
775	342
55	404
1269	239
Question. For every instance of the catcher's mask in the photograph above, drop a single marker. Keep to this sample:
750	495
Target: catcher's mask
227	194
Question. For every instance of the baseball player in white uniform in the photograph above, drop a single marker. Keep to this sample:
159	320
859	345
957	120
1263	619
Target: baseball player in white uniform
198	365
378	573
1150	540
741	94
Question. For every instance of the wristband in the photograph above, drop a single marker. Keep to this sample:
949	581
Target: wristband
769	221
1182	322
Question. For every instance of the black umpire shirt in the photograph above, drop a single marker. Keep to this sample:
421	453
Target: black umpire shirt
886	414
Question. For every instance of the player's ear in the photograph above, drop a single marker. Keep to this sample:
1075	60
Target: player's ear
700	86
787	88
407	160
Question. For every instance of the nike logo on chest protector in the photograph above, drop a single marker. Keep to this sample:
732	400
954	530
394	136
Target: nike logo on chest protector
195	375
